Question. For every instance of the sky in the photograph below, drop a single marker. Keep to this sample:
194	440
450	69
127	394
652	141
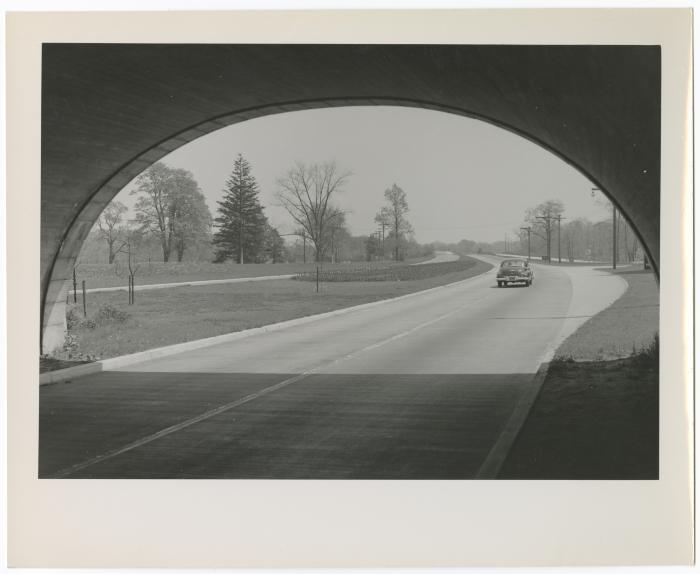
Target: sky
463	178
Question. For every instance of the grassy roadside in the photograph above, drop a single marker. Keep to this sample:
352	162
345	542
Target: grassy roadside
627	326
167	316
598	419
150	273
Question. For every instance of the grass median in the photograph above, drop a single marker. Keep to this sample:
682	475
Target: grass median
597	413
179	314
151	273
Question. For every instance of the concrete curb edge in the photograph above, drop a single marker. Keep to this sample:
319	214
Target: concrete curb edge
491	466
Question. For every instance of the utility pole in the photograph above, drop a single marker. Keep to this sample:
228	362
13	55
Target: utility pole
529	230
548	232
383	224
559	218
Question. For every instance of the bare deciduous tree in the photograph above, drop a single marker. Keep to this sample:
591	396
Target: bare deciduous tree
394	214
306	194
108	226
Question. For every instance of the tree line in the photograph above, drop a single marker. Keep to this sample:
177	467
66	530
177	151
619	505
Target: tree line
552	235
171	213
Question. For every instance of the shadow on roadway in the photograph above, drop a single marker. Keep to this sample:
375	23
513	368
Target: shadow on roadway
321	426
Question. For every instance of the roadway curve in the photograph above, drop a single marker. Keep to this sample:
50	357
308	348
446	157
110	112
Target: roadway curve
440	257
419	387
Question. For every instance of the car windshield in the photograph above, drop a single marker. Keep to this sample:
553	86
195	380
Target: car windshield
514	263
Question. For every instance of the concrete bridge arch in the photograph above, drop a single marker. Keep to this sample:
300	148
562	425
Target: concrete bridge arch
111	110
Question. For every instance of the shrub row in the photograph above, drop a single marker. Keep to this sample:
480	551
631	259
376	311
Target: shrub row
389	273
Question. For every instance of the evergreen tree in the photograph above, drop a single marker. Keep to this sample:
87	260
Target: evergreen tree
241	222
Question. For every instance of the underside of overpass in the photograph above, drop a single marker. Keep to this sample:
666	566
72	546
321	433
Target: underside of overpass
111	110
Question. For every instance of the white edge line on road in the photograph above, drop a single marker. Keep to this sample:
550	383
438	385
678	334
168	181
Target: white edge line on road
126	360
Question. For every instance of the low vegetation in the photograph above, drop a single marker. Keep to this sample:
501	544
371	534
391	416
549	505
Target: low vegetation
592	420
389	272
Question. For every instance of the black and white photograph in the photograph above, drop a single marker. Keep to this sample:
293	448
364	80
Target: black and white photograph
356	262
379	263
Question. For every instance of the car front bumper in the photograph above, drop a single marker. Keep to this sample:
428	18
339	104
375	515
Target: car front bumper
514	279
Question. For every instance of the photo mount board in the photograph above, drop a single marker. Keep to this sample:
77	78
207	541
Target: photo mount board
246	523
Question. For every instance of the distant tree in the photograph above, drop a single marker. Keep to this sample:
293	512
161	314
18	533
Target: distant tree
306	194
109	227
383	219
274	245
542	219
334	233
373	247
241	222
170	207
192	218
395	214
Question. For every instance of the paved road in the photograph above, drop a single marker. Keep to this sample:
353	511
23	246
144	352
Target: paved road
440	257
420	387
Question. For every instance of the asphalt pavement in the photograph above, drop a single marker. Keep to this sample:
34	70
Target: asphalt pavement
423	387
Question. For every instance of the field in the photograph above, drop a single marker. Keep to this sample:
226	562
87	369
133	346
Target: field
388	272
597	413
150	273
174	315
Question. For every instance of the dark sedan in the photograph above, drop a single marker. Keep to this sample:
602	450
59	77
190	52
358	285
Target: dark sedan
514	271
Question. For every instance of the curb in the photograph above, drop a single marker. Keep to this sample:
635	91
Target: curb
491	466
126	360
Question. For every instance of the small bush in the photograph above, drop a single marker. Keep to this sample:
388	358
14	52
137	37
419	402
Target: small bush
402	272
106	314
649	357
72	317
110	314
